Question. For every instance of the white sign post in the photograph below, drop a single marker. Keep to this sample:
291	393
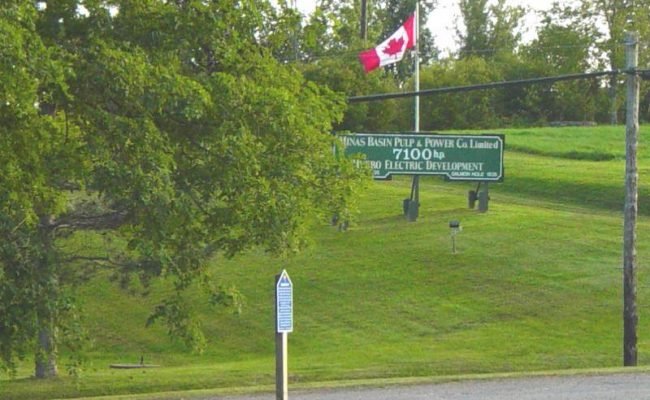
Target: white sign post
283	325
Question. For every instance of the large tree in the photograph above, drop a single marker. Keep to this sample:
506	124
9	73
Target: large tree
564	45
165	125
613	18
488	29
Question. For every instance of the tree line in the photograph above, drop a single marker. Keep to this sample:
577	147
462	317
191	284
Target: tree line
573	37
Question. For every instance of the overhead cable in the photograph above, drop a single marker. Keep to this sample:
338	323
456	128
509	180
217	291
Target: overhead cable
494	85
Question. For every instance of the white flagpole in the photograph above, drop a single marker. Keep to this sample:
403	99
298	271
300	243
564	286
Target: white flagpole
414	202
417	66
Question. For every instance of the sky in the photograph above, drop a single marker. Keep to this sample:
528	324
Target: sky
444	18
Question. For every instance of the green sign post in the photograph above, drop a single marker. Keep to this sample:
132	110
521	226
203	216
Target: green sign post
476	158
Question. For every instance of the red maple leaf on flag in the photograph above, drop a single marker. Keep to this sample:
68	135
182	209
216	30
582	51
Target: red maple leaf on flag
394	47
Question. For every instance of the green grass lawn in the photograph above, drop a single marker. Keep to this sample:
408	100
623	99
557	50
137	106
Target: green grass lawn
536	285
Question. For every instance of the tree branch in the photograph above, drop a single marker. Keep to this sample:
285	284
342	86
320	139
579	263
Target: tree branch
106	221
85	258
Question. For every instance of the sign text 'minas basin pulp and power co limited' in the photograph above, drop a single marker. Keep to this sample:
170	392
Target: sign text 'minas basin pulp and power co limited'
456	157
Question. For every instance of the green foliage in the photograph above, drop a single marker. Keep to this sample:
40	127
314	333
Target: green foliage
569	40
370	116
490	30
180	322
475	18
464	110
168	128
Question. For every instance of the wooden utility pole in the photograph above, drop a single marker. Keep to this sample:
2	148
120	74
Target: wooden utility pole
630	316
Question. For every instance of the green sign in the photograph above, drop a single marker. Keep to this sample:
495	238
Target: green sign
456	157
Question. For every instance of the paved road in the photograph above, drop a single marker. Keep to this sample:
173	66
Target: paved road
600	387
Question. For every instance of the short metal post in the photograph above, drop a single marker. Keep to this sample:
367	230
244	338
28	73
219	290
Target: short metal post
483	198
281	367
455	227
414	202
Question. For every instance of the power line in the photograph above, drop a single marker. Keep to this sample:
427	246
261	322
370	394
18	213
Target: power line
493	85
340	53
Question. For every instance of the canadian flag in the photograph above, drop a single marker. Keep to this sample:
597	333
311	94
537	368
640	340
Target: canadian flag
392	49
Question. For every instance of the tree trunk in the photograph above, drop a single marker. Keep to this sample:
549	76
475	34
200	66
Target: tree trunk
46	354
46	350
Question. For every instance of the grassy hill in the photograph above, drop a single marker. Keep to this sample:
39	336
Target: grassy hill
536	284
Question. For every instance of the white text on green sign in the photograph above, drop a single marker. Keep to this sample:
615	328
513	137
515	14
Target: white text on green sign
457	157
